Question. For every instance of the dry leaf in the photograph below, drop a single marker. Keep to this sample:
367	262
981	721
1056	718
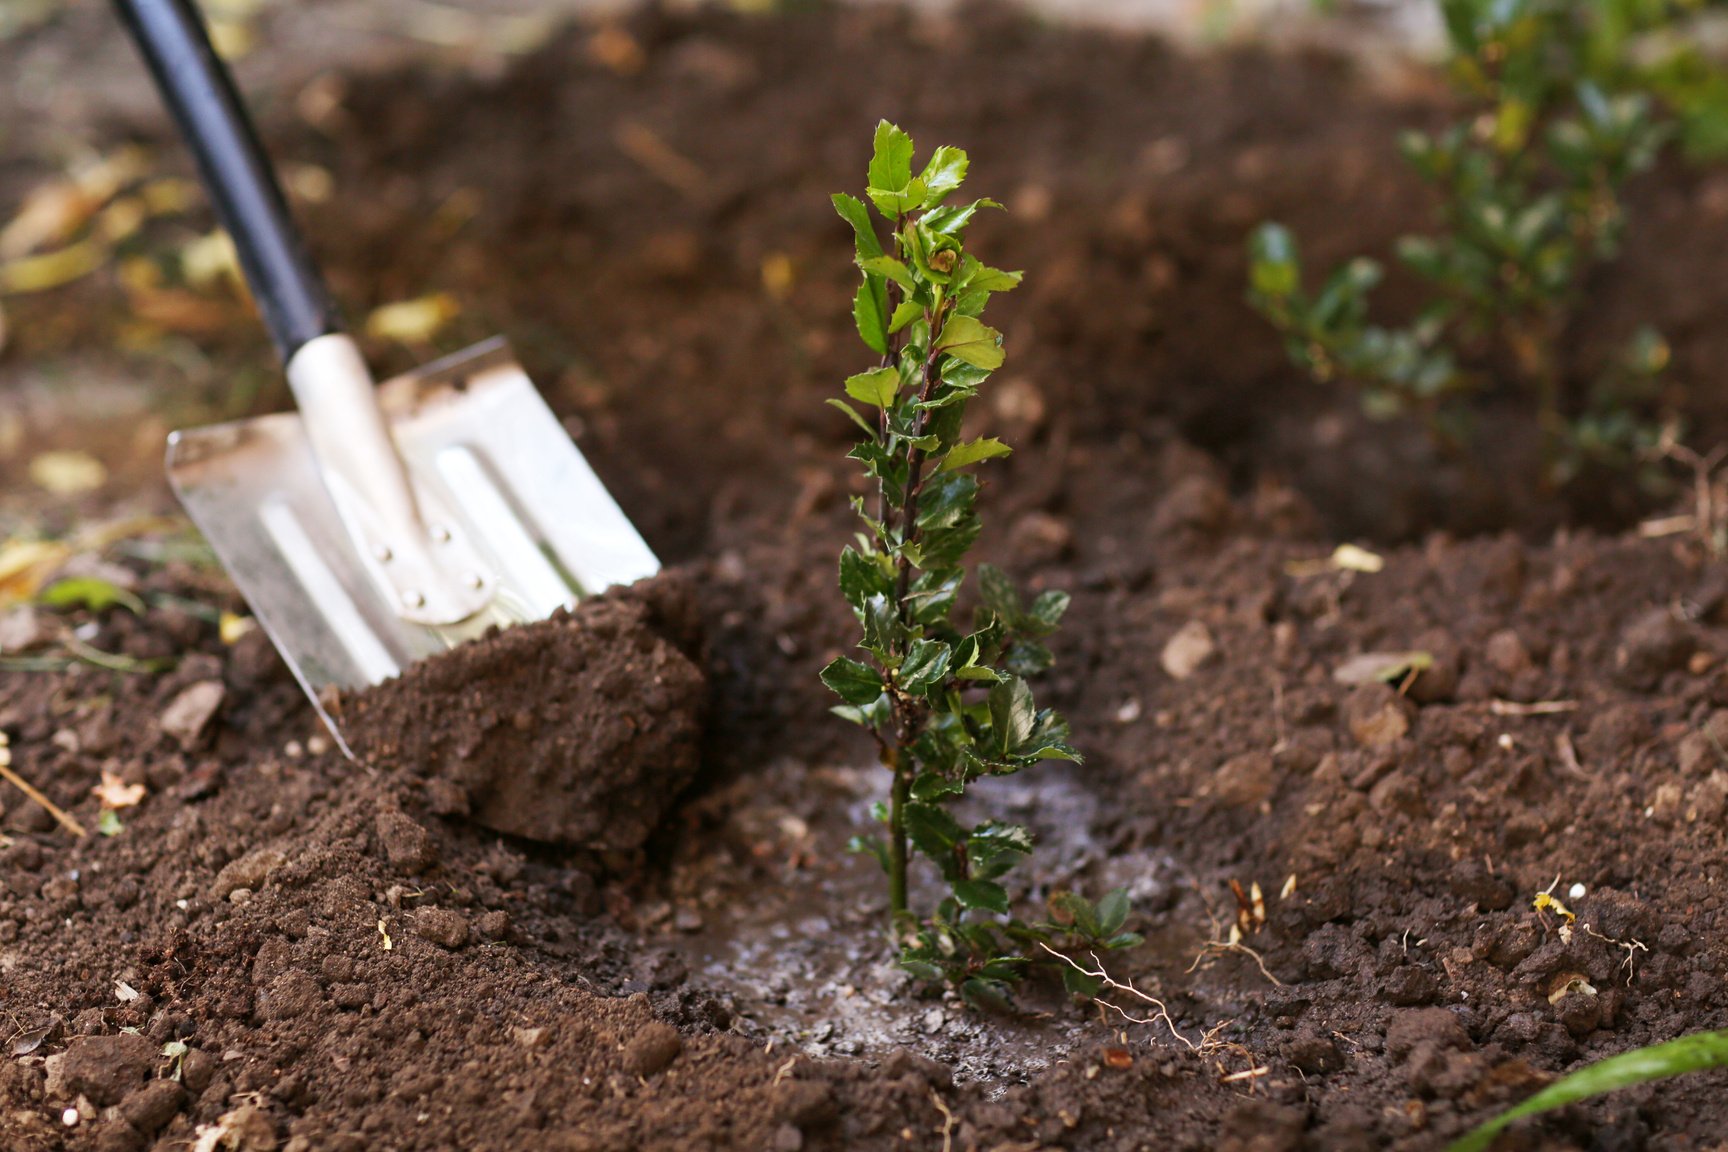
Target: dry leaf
231	627
1385	667
68	472
412	321
26	565
114	792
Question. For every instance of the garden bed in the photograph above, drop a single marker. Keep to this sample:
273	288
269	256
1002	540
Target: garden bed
350	969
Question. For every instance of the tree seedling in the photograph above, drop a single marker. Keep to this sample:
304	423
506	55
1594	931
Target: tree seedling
1556	116
946	699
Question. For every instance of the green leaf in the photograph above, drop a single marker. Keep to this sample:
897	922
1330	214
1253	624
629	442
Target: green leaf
933	831
993	280
949	221
904	314
1275	270
870	313
1688	1054
1112	911
876	387
948	498
896	202
1012	714
1124	940
1047	610
972	342
892	269
89	592
891	160
861	577
922	969
985	894
984	448
925	667
873	846
998	594
944	173
931	787
986	995
852	211
1080	912
108	823
855	683
1081	984
852	413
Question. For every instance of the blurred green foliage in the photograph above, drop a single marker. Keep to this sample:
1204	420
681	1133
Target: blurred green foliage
1561	104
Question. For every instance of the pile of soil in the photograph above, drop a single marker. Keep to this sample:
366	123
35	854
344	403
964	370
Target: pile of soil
579	730
351	965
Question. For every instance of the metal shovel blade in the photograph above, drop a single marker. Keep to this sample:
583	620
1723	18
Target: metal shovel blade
480	445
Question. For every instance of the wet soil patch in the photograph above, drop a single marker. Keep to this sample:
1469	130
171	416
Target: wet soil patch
351	965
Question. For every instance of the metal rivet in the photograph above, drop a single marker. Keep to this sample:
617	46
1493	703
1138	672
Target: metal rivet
440	533
413	599
383	553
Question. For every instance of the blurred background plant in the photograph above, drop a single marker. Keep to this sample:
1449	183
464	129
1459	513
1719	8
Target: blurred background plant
1560	103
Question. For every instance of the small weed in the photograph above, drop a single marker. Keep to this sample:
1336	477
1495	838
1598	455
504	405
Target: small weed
1558	114
947	701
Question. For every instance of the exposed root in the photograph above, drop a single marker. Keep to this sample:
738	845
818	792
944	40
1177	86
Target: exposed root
1160	1015
1224	947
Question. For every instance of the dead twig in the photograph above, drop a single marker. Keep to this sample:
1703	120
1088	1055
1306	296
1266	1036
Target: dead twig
29	789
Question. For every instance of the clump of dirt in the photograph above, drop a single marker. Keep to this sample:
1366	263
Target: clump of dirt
580	729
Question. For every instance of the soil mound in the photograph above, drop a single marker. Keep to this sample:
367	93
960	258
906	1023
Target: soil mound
580	729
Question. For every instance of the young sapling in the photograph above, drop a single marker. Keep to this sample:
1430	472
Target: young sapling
946	699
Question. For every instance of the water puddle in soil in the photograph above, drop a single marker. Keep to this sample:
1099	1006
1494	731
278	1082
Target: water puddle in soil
803	960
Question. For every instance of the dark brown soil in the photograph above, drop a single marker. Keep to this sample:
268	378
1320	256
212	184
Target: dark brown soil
351	969
578	730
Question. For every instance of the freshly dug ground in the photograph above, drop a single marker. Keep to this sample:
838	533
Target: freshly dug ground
351	964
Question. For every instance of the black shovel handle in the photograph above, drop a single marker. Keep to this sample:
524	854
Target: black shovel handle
200	93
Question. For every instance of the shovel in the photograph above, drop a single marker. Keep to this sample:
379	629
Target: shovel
378	525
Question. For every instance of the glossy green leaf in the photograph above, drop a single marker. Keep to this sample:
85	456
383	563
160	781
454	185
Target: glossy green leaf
984	894
1112	911
875	387
944	173
890	269
905	313
984	448
972	342
870	313
1012	713
853	211
891	159
851	414
852	681
925	667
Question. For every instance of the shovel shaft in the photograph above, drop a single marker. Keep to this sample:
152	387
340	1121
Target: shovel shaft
295	304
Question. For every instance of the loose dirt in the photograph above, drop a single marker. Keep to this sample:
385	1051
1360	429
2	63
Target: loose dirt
578	730
353	963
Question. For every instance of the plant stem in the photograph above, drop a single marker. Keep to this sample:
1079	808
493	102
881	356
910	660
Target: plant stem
897	838
899	758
